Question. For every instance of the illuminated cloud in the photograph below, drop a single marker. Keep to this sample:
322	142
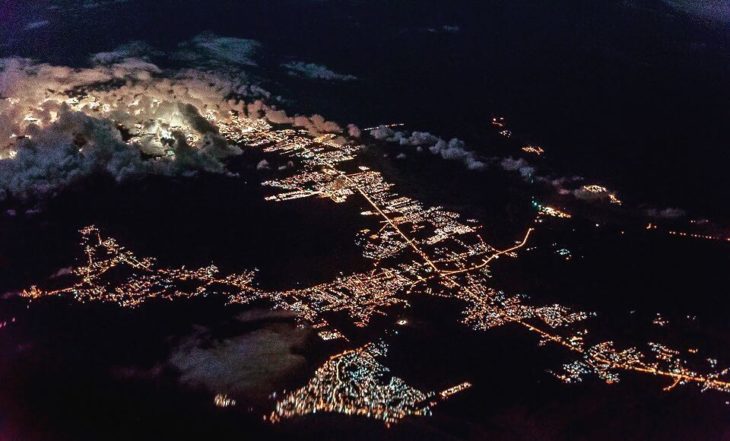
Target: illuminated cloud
454	149
666	213
126	117
315	72
254	363
60	124
382	133
91	4
447	29
209	47
520	166
277	116
353	131
316	124
134	49
82	5
36	25
716	10
76	146
52	159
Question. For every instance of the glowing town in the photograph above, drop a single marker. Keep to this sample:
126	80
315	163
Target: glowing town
417	250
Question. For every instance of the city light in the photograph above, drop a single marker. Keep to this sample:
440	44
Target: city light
415	250
534	149
223	400
356	383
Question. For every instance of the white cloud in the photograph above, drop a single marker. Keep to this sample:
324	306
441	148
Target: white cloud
213	48
36	25
59	124
254	363
135	49
717	10
447	29
518	165
666	213
315	71
454	149
353	131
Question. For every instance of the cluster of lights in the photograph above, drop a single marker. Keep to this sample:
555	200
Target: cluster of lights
534	149
144	281
389	126
359	295
564	253
418	249
490	309
223	400
444	394
688	235
546	210
328	335
603	192
356	383
151	113
506	133
499	122
697	236
6	323
660	321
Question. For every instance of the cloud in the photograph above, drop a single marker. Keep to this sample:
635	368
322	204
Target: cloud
126	117
91	4
252	364
320	124
53	159
36	25
518	165
63	272
596	193
353	131
716	10
77	145
666	213
316	124
454	149
277	116
214	48
81	5
60	124
447	29
315	72
134	49
382	133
